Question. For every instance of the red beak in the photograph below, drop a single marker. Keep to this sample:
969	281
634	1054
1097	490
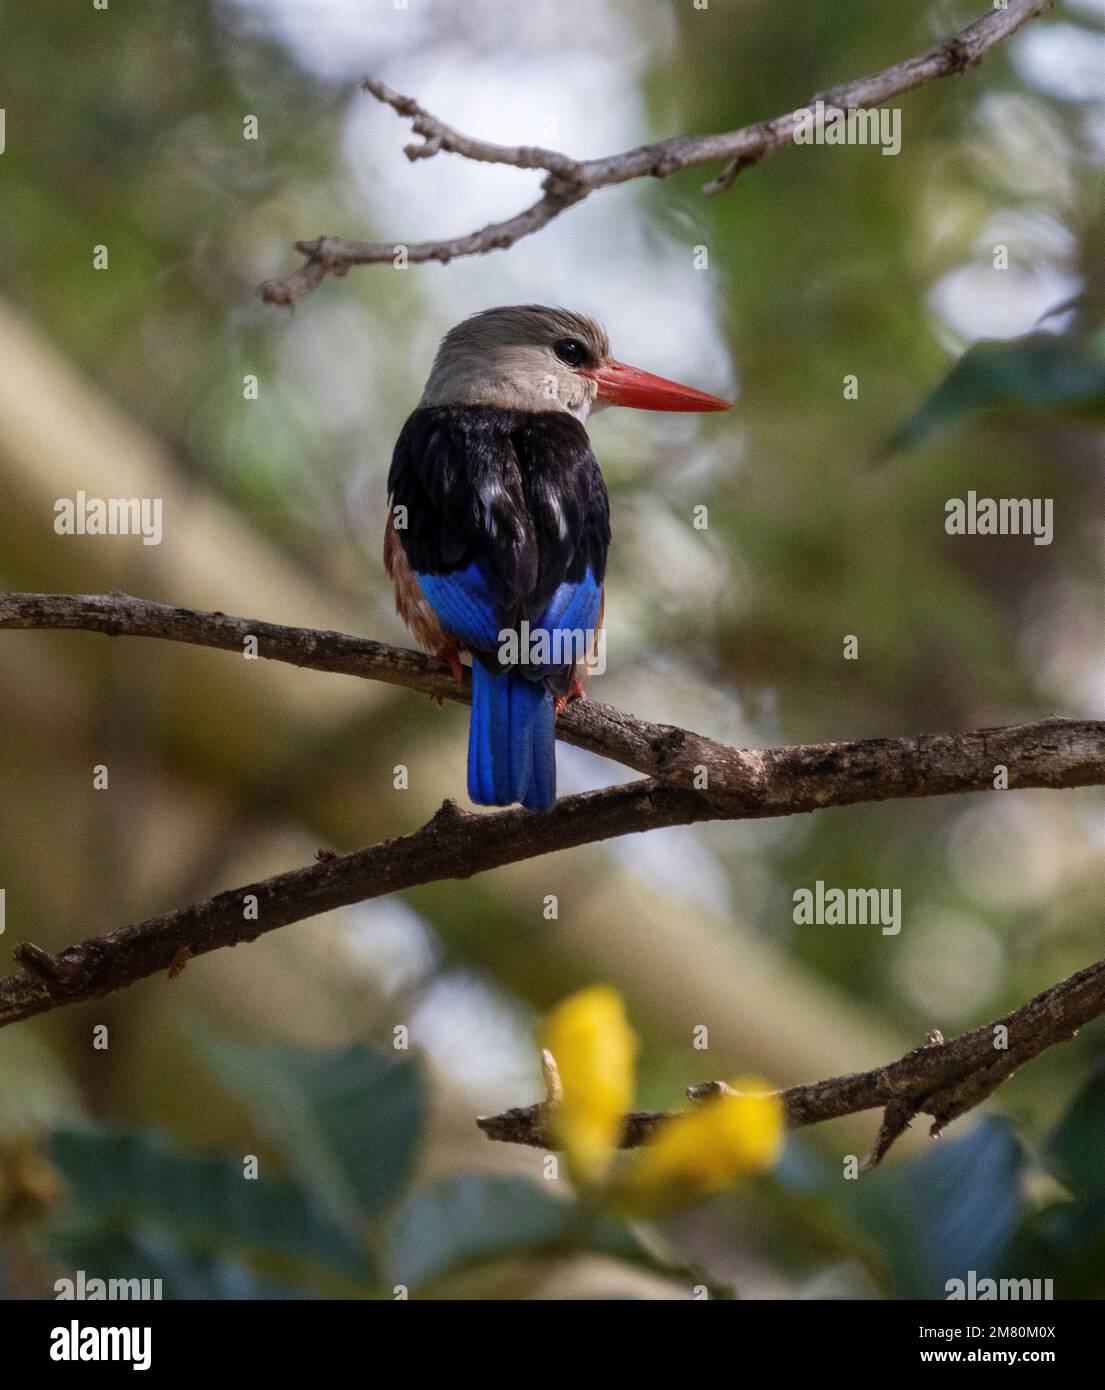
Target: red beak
622	385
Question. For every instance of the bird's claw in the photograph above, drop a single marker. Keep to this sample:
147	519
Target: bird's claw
450	654
575	692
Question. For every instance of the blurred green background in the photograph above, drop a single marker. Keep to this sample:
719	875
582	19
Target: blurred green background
124	129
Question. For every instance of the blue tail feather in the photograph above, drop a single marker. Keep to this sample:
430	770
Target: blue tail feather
511	741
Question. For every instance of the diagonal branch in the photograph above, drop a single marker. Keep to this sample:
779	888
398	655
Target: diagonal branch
941	1079
454	844
732	783
569	181
689	779
645	747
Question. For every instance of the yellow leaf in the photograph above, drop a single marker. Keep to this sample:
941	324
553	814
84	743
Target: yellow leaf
594	1050
705	1149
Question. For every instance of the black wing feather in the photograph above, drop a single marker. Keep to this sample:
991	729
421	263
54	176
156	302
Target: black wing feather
520	490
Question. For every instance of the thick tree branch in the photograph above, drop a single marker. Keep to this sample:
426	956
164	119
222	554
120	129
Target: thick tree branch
690	779
731	783
453	844
941	1079
569	181
648	748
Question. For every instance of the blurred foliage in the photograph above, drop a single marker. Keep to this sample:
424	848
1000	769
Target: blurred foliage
1043	374
321	1110
140	1207
124	128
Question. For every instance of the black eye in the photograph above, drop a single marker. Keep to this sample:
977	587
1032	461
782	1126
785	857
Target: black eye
571	351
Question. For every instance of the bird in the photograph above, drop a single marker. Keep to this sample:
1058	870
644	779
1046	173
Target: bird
498	526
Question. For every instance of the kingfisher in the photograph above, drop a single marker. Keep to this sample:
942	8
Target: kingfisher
499	526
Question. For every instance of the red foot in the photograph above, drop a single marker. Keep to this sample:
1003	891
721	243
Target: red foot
450	654
575	692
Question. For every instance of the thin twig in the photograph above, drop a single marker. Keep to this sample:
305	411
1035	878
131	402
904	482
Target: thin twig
941	1079
569	181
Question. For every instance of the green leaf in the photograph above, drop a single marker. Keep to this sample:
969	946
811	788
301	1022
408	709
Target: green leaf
149	1253
348	1122
1065	1241
469	1218
954	1210
462	1220
1075	1153
119	1181
1042	374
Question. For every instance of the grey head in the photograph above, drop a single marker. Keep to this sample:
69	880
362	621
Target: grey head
520	357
